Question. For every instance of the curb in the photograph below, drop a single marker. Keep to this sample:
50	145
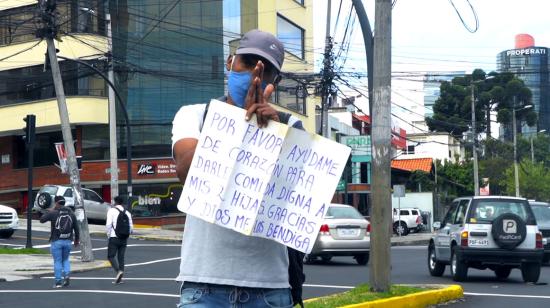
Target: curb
420	299
411	243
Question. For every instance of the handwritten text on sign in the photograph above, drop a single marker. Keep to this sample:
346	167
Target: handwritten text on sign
273	182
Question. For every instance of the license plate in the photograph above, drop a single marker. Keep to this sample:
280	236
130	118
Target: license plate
473	242
348	232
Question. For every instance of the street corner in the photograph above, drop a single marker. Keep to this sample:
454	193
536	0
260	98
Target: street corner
441	294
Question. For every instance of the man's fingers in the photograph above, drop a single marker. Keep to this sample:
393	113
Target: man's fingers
268	91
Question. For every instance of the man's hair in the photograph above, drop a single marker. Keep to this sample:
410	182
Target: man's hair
119	200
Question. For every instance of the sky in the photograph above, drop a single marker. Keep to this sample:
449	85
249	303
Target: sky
428	36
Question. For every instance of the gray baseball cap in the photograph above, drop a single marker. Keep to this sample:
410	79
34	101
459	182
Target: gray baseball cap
264	45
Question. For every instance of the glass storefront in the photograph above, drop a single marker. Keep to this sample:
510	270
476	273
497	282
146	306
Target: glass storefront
166	55
154	200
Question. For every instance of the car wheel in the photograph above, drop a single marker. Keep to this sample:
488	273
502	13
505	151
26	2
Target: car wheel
436	268
401	228
502	272
326	259
530	272
459	269
44	200
362	259
308	259
6	233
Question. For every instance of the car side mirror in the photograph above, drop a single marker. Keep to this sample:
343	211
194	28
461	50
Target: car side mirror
437	225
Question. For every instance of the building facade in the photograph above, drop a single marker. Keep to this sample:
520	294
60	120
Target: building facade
164	56
530	64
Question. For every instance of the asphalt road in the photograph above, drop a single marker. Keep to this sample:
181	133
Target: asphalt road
152	266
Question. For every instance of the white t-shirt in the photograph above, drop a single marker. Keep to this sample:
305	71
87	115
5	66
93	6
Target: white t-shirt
217	255
112	216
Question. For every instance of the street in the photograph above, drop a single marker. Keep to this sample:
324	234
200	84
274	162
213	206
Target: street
153	265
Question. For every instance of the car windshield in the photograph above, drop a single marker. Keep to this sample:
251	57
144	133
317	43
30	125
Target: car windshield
542	214
49	189
343	213
486	210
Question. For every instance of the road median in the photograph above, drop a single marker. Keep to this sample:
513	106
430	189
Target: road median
422	296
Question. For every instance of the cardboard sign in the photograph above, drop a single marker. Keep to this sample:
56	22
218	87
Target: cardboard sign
275	182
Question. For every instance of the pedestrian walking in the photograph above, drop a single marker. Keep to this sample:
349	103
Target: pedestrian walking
62	232
119	227
220	267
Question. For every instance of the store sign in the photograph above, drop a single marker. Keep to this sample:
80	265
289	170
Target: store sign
166	168
146	169
526	51
360	147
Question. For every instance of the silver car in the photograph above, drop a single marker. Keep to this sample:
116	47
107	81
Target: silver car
94	206
345	232
542	214
487	232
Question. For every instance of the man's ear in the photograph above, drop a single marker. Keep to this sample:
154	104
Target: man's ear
228	62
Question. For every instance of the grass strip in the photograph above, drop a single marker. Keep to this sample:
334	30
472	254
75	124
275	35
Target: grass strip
22	251
360	294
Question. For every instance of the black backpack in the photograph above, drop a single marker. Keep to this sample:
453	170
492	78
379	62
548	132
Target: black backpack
122	229
64	224
296	276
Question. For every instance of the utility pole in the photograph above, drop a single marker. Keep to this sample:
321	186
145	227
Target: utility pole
516	172
381	217
112	115
29	141
48	9
474	147
327	76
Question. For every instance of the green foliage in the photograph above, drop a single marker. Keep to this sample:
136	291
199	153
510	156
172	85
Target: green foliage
452	110
534	180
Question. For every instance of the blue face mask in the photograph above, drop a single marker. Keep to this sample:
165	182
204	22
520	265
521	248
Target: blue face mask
238	84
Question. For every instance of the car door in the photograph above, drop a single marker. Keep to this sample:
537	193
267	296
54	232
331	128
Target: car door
92	204
458	222
442	238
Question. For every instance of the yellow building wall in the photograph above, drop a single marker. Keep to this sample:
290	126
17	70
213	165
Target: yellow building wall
303	17
70	47
11	4
82	110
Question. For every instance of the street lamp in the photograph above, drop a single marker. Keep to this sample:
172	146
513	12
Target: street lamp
516	175
474	148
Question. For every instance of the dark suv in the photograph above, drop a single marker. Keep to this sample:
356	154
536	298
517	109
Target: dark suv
490	232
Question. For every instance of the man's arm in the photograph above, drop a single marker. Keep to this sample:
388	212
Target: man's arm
47	216
109	222
184	150
76	230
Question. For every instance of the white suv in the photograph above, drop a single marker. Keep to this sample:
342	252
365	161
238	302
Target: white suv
94	206
8	221
490	232
406	220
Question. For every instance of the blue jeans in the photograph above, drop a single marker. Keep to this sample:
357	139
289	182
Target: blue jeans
200	295
60	250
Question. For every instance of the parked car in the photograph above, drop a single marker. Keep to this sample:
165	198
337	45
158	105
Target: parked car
542	214
8	221
344	232
487	232
406	220
94	206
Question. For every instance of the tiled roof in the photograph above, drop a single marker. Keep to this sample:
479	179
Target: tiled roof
422	164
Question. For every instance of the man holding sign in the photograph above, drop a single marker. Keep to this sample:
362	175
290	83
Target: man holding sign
220	267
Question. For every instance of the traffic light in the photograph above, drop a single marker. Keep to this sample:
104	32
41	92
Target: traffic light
30	128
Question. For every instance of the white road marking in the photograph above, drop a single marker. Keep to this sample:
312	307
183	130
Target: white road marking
91	291
134	245
153	262
111	278
507	295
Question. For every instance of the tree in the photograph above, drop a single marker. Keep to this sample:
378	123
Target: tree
534	180
453	112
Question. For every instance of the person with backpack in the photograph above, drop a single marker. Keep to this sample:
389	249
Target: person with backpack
220	267
119	227
63	231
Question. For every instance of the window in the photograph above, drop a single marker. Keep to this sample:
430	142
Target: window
291	36
410	149
91	195
291	95
301	2
403	213
461	212
414	212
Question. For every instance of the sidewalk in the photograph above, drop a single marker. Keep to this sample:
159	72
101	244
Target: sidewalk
17	267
